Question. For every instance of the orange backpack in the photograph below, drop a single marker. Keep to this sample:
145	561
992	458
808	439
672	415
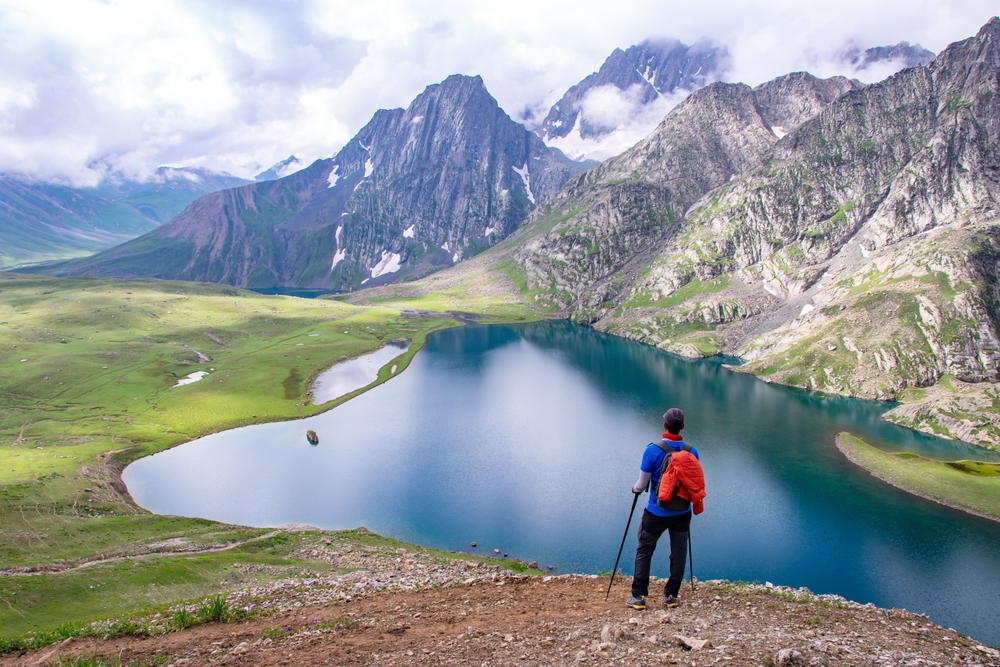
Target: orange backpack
682	480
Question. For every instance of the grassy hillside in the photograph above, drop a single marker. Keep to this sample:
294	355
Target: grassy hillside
90	368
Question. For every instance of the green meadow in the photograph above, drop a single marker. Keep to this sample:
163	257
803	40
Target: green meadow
88	383
973	486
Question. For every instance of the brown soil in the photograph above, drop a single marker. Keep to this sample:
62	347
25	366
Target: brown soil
522	620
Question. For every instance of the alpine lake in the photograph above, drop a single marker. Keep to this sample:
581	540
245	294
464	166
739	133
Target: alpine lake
527	439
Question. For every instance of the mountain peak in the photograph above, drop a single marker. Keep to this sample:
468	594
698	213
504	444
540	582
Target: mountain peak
279	169
627	97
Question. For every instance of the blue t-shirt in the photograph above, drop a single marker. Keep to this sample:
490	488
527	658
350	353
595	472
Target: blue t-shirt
652	461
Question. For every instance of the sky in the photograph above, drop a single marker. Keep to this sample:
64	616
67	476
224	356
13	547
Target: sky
96	89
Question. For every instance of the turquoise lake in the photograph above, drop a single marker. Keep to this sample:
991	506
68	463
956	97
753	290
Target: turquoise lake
528	439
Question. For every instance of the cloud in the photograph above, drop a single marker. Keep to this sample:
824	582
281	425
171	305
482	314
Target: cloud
619	113
92	87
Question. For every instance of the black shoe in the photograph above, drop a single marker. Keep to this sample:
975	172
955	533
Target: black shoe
671	601
636	602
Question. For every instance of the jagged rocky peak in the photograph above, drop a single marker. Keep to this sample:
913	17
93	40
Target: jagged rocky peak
653	68
417	189
449	176
788	101
620	103
711	135
971	68
904	54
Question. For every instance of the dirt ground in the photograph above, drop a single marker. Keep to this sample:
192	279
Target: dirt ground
524	620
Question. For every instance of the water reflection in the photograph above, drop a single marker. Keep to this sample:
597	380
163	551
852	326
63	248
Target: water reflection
347	376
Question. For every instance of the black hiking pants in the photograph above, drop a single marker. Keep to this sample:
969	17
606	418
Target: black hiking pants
650	529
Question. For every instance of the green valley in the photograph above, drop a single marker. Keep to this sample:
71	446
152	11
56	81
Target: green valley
90	370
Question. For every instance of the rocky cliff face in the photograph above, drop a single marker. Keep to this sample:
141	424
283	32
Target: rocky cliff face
624	212
414	190
839	237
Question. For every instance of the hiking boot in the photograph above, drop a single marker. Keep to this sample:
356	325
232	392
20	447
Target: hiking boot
670	601
636	602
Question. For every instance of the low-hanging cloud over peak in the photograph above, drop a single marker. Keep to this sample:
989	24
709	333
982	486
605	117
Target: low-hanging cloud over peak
90	88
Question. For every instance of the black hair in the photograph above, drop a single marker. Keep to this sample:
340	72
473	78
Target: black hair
673	419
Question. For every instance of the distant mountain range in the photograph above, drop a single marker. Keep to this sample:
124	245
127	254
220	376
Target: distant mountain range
610	110
421	189
414	191
42	222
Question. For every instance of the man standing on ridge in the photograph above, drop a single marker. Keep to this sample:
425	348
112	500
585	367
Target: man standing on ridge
673	516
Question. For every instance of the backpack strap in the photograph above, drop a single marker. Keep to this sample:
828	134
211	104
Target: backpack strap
670	450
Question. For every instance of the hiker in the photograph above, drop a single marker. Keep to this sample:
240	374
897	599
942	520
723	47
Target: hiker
666	511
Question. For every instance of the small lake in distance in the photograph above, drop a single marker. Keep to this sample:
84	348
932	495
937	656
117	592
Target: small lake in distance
347	376
527	438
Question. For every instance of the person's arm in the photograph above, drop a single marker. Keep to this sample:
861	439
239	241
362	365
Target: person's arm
642	483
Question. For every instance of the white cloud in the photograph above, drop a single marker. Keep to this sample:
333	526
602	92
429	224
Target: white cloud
93	86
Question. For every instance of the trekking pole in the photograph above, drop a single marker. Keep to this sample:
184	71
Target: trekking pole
691	558
635	498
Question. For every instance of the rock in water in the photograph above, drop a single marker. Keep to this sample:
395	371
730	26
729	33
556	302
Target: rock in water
312	437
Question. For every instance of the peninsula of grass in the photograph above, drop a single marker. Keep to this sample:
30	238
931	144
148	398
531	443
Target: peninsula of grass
970	486
89	372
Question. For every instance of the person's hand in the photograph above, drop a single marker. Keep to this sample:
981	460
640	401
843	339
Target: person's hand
637	491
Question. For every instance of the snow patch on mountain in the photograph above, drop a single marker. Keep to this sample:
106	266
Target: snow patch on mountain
388	264
332	180
409	232
526	179
338	257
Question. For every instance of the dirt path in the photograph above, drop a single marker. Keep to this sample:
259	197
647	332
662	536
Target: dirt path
29	570
523	620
